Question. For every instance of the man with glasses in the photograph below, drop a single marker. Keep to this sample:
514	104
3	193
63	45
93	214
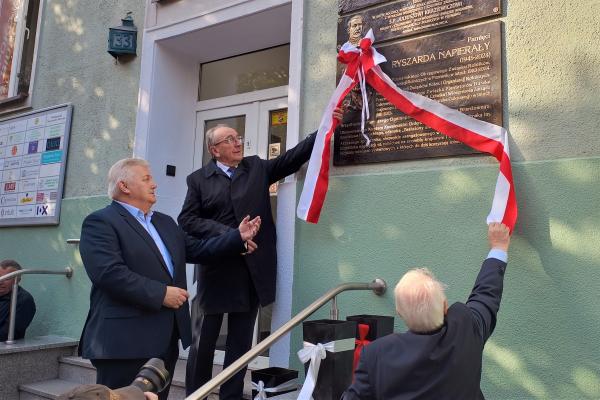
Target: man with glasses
219	194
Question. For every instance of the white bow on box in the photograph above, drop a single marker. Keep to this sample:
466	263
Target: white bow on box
315	353
262	390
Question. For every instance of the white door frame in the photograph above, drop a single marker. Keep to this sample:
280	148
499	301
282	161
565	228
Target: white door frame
158	92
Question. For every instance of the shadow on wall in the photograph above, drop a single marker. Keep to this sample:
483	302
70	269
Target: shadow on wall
545	344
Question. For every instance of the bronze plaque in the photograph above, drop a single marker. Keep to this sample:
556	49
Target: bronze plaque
460	68
345	6
405	18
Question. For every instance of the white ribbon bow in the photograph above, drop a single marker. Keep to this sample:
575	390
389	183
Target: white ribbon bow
262	390
315	353
378	58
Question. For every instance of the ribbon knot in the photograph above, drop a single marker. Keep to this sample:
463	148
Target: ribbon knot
363	331
360	60
262	390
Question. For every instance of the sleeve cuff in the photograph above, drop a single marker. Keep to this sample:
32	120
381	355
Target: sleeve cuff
498	254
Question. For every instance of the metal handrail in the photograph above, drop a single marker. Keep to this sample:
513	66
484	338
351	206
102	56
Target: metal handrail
378	286
68	272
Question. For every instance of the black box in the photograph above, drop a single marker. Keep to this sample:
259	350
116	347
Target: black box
274	376
335	373
379	325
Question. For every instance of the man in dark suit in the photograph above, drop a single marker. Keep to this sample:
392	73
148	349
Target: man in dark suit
25	303
136	259
219	194
440	355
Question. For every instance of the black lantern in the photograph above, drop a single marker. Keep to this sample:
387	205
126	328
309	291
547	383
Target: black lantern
122	40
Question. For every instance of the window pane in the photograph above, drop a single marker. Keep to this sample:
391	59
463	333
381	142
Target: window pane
8	29
241	74
238	123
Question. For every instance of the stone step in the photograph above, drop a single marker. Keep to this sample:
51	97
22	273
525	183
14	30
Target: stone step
76	369
49	389
79	371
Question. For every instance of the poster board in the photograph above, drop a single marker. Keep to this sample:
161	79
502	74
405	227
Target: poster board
33	158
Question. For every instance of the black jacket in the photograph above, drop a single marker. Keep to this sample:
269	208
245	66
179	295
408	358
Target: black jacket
445	364
25	313
129	281
215	204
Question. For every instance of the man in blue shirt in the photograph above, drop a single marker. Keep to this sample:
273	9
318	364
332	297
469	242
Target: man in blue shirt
439	357
135	258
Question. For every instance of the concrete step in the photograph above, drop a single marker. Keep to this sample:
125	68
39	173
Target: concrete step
79	371
76	369
42	390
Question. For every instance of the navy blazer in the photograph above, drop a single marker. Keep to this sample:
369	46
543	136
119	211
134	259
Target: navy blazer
130	278
215	204
445	364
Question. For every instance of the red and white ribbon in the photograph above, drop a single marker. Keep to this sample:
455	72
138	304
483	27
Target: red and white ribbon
362	62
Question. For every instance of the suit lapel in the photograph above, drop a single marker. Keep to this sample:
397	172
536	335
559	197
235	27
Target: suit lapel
168	239
139	229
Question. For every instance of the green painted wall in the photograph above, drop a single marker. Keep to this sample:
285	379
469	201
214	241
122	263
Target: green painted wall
382	219
62	304
74	67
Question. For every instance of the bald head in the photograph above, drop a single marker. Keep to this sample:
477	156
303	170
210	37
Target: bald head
421	301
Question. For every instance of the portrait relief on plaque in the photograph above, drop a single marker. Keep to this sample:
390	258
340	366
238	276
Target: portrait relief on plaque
353	103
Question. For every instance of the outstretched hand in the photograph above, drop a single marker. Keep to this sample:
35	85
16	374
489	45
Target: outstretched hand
498	236
249	228
338	113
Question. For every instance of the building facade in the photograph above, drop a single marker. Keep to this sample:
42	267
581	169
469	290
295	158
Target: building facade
269	67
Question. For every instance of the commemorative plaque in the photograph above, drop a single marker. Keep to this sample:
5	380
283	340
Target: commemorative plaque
345	6
405	18
460	68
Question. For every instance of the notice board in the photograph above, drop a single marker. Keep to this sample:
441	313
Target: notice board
33	159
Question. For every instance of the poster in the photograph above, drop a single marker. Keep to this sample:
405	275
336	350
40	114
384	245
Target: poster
33	155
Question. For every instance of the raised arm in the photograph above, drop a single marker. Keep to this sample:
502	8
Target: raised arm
191	218
486	295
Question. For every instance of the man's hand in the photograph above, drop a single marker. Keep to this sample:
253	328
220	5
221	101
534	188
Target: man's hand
499	236
338	114
251	246
249	228
175	297
150	396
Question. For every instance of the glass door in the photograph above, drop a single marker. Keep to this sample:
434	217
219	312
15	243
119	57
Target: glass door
264	127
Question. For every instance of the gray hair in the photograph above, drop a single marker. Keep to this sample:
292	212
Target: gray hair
209	136
119	172
420	300
352	19
4	264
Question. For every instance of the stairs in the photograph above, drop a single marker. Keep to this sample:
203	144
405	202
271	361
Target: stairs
43	368
74	371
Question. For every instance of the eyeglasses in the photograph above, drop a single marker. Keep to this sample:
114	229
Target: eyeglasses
231	139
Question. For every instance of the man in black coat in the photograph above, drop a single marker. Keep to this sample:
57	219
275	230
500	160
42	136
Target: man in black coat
440	355
219	195
136	260
25	303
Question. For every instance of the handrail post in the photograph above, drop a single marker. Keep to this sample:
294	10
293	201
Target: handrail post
13	312
334	313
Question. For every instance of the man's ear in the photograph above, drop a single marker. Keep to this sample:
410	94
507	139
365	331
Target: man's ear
214	152
446	307
123	187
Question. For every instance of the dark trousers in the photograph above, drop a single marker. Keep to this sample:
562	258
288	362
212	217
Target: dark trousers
205	330
116	373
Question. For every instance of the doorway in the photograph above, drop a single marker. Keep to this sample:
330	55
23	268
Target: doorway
263	124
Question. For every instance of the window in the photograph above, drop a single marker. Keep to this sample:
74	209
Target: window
245	73
18	31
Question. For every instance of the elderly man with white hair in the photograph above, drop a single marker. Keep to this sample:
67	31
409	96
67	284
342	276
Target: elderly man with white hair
440	355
